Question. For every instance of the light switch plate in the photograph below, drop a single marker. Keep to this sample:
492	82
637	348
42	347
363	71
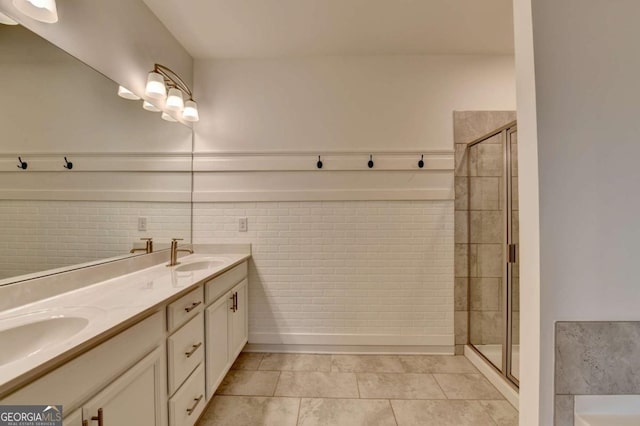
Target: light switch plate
243	225
142	224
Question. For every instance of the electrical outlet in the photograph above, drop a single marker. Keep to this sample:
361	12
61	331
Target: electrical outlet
142	224
243	225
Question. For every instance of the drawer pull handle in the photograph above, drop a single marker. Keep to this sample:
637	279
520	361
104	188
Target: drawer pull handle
193	407
193	350
99	417
193	306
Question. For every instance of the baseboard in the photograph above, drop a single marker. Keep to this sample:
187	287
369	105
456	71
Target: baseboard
353	340
500	382
351	349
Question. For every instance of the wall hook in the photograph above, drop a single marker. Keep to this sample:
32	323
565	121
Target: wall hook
67	164
23	164
370	163
319	163
421	162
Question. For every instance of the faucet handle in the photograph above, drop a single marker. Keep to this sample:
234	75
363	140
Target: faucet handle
177	239
146	239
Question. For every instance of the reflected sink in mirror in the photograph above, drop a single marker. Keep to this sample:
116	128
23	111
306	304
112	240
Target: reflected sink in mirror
26	335
202	264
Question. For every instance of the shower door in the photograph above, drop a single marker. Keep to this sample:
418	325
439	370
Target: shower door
493	243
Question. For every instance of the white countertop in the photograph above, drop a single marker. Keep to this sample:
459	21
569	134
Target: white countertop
107	306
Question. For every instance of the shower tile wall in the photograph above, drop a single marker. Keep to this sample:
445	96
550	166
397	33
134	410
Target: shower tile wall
478	265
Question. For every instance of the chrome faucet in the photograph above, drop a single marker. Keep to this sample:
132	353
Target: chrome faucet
148	247
174	252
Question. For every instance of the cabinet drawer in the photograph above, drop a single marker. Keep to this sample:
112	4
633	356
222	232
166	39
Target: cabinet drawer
187	404
184	308
185	350
220	285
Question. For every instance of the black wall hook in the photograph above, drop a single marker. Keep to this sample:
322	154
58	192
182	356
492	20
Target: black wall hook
67	164
370	163
23	164
421	162
319	163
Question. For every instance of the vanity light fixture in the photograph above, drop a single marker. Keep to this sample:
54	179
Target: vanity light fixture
162	80
40	10
123	92
150	107
4	19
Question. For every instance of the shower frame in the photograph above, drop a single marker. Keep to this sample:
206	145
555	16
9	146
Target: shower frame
509	254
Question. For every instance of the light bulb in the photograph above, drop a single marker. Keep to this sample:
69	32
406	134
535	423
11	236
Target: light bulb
150	107
190	112
168	117
155	86
4	19
125	93
174	101
40	10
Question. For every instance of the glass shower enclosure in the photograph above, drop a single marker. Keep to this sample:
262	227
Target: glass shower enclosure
494	311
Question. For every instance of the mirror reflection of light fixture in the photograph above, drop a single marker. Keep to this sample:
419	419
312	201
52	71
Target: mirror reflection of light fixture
123	92
150	107
4	19
40	10
168	117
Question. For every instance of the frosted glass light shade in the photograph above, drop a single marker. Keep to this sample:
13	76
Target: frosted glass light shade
155	86
190	112
175	101
150	107
125	93
168	117
40	10
4	19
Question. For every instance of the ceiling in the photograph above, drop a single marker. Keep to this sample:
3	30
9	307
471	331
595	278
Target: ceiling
290	28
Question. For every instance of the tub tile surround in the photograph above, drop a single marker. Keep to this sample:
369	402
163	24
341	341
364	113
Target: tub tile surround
422	390
594	358
478	226
108	305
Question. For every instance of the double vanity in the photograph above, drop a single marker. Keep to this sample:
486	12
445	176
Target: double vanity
146	348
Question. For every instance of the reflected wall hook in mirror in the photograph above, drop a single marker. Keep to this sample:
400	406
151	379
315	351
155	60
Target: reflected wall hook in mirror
319	163
67	164
370	163
23	164
421	162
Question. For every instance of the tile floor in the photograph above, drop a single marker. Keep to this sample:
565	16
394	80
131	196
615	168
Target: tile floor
351	390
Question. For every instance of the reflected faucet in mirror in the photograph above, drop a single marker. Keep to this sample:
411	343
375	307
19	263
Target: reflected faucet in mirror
173	261
148	246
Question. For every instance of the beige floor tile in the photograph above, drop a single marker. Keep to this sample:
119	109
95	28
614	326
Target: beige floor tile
501	412
296	362
317	385
440	413
366	363
398	386
251	411
247	361
249	383
467	386
436	364
346	412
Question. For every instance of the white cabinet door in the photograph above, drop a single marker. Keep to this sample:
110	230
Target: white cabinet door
217	318
131	400
239	319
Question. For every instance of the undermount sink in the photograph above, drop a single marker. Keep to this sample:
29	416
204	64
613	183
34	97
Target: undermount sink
201	264
24	336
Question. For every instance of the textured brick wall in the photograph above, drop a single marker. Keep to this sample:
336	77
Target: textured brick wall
40	235
354	267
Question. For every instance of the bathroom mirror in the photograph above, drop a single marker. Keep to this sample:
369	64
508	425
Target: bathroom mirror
126	176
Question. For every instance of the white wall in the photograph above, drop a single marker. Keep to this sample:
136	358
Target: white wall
379	103
321	237
586	102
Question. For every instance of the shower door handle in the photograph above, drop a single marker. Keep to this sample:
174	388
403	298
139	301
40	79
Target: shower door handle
512	253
